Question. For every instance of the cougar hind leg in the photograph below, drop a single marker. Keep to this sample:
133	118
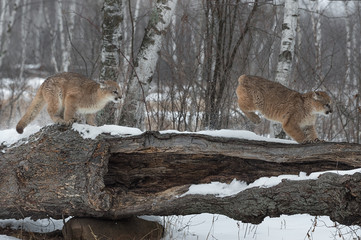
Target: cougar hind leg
248	111
56	110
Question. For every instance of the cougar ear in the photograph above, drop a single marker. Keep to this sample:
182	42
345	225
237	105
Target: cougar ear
102	84
316	95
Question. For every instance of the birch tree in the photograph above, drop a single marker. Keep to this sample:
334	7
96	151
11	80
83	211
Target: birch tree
288	39
112	20
110	52
285	58
133	111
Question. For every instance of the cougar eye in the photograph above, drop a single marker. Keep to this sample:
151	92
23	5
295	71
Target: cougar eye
115	92
327	105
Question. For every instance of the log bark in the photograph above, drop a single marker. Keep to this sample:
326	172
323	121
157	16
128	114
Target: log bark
57	173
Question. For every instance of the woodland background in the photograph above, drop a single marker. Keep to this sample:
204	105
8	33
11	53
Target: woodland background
207	46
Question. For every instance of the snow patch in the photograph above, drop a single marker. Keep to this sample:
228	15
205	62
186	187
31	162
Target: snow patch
217	188
4	237
224	190
10	136
29	225
230	133
243	134
87	131
295	227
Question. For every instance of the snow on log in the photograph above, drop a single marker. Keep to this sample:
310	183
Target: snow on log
57	173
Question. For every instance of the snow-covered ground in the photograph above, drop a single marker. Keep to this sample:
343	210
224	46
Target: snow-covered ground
208	226
212	226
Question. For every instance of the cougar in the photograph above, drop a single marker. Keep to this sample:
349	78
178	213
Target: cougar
295	111
67	94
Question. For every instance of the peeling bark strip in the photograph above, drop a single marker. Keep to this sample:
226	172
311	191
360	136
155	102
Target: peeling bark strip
56	172
145	63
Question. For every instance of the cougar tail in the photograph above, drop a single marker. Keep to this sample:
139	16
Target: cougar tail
35	107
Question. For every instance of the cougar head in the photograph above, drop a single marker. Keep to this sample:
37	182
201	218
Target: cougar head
321	102
112	90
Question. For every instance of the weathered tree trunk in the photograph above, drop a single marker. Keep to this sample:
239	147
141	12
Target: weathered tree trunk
112	36
133	110
58	173
110	53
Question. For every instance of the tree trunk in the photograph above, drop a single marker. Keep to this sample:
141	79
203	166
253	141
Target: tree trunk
285	59
112	36
110	53
133	110
288	40
58	173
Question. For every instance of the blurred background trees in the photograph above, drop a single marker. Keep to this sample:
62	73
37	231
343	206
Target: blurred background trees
206	47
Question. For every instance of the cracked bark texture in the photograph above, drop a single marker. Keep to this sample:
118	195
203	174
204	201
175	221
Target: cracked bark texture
58	173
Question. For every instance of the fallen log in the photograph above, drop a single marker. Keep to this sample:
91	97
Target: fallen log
57	173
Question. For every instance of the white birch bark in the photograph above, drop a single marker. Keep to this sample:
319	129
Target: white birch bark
133	111
288	39
284	65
